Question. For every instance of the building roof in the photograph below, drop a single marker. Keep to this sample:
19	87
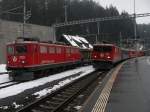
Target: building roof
78	41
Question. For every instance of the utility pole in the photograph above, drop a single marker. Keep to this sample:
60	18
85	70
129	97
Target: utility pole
66	15
0	10
135	30
66	12
0	16
24	17
46	12
120	39
98	31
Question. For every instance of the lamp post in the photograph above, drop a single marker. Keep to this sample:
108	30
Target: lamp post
98	32
66	12
24	17
66	18
135	30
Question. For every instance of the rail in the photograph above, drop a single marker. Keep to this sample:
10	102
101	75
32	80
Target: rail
1	73
58	100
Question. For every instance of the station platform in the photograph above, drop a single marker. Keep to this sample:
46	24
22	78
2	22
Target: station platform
124	89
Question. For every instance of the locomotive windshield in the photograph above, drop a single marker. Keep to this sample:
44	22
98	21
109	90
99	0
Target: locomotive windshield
103	48
10	50
20	49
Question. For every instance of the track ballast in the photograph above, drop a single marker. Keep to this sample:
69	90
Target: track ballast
58	100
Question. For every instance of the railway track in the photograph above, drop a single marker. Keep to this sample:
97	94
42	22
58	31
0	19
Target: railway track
1	73
7	84
58	100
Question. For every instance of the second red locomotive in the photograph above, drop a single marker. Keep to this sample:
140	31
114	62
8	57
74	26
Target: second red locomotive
104	56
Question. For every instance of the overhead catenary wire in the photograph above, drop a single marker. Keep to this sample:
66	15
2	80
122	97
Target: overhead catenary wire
93	20
13	9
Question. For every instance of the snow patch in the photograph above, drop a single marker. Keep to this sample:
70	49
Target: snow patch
78	42
16	105
4	107
55	87
3	68
78	107
70	40
60	84
18	88
4	78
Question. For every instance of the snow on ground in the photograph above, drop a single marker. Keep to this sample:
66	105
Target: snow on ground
78	41
16	89
4	78
3	68
49	90
16	105
61	83
71	40
4	107
78	107
6	84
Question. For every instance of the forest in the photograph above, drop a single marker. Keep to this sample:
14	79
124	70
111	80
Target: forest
49	12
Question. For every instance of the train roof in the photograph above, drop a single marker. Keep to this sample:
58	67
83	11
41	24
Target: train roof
102	44
26	42
130	49
41	43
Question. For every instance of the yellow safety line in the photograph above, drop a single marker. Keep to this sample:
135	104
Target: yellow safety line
103	98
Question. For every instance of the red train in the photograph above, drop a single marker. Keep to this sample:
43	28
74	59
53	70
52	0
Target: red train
26	59
104	56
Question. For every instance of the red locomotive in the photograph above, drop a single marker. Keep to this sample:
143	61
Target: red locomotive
26	59
105	55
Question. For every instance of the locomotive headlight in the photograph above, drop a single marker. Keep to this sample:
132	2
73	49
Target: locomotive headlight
108	57
23	62
95	56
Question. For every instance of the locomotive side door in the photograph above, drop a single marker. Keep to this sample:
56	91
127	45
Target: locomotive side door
35	54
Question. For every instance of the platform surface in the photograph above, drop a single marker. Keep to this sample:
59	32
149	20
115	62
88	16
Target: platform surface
130	90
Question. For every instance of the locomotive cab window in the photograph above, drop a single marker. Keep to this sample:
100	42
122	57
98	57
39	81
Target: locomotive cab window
51	50
68	50
43	49
58	50
72	50
103	48
21	49
76	50
10	50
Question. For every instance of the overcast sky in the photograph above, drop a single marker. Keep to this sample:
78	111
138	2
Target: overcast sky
142	6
